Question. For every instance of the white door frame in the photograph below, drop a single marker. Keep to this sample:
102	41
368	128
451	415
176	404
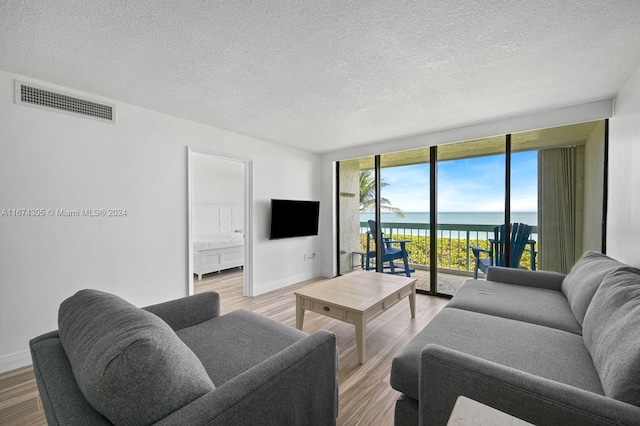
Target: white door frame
248	218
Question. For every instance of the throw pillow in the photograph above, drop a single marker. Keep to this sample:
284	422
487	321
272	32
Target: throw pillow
583	280
129	364
611	333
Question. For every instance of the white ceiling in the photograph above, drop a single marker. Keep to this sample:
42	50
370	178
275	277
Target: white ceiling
327	75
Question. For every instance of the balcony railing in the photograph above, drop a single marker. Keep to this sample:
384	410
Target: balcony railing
452	243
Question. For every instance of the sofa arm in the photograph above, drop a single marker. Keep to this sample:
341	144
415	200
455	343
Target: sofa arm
297	386
446	374
187	311
542	279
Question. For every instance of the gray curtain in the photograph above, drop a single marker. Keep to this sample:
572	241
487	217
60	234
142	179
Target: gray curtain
559	221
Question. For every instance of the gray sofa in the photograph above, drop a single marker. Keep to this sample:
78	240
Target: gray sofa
548	348
181	363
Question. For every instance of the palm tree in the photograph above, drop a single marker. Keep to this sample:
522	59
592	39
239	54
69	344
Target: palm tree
368	194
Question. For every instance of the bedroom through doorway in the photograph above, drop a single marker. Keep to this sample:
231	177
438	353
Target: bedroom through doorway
217	222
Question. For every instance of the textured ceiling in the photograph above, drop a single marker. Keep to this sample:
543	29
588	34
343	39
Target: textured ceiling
326	75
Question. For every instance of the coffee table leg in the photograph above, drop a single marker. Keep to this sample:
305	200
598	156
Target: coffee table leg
299	313
412	301
361	334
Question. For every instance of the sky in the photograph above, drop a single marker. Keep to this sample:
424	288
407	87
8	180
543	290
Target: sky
467	185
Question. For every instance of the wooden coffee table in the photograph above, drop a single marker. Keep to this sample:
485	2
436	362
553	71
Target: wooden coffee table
355	298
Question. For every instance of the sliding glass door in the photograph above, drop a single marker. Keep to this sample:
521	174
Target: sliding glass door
471	203
405	210
444	203
524	200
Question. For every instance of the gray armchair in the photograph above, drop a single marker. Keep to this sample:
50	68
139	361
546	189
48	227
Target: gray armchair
188	365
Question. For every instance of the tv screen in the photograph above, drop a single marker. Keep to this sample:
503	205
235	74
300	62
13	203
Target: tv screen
293	218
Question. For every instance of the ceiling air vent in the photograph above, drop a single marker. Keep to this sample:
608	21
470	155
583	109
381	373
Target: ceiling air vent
28	94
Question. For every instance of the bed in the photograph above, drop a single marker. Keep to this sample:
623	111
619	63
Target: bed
217	244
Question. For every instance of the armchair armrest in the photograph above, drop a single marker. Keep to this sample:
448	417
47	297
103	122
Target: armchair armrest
297	386
542	279
399	241
445	374
402	243
187	311
477	249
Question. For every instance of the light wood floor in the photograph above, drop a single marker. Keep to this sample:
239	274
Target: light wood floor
366	398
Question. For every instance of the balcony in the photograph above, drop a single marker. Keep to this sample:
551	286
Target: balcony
455	261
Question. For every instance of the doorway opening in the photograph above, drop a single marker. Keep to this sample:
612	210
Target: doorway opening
219	221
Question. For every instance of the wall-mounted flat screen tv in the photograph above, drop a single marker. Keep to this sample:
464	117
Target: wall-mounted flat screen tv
294	218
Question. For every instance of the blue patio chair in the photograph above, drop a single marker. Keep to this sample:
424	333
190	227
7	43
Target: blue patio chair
495	256
389	253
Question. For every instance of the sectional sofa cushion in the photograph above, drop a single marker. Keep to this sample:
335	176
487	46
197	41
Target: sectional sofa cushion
128	363
546	352
249	340
583	280
612	334
523	303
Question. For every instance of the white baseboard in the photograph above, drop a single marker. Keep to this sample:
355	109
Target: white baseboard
327	273
275	285
11	362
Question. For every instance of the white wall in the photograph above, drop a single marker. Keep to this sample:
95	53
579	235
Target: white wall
219	181
50	160
623	226
282	262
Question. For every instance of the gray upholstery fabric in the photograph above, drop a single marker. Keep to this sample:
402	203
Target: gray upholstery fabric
583	280
523	303
546	352
58	388
129	364
514	344
524	277
612	334
447	373
297	387
188	311
407	411
248	340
